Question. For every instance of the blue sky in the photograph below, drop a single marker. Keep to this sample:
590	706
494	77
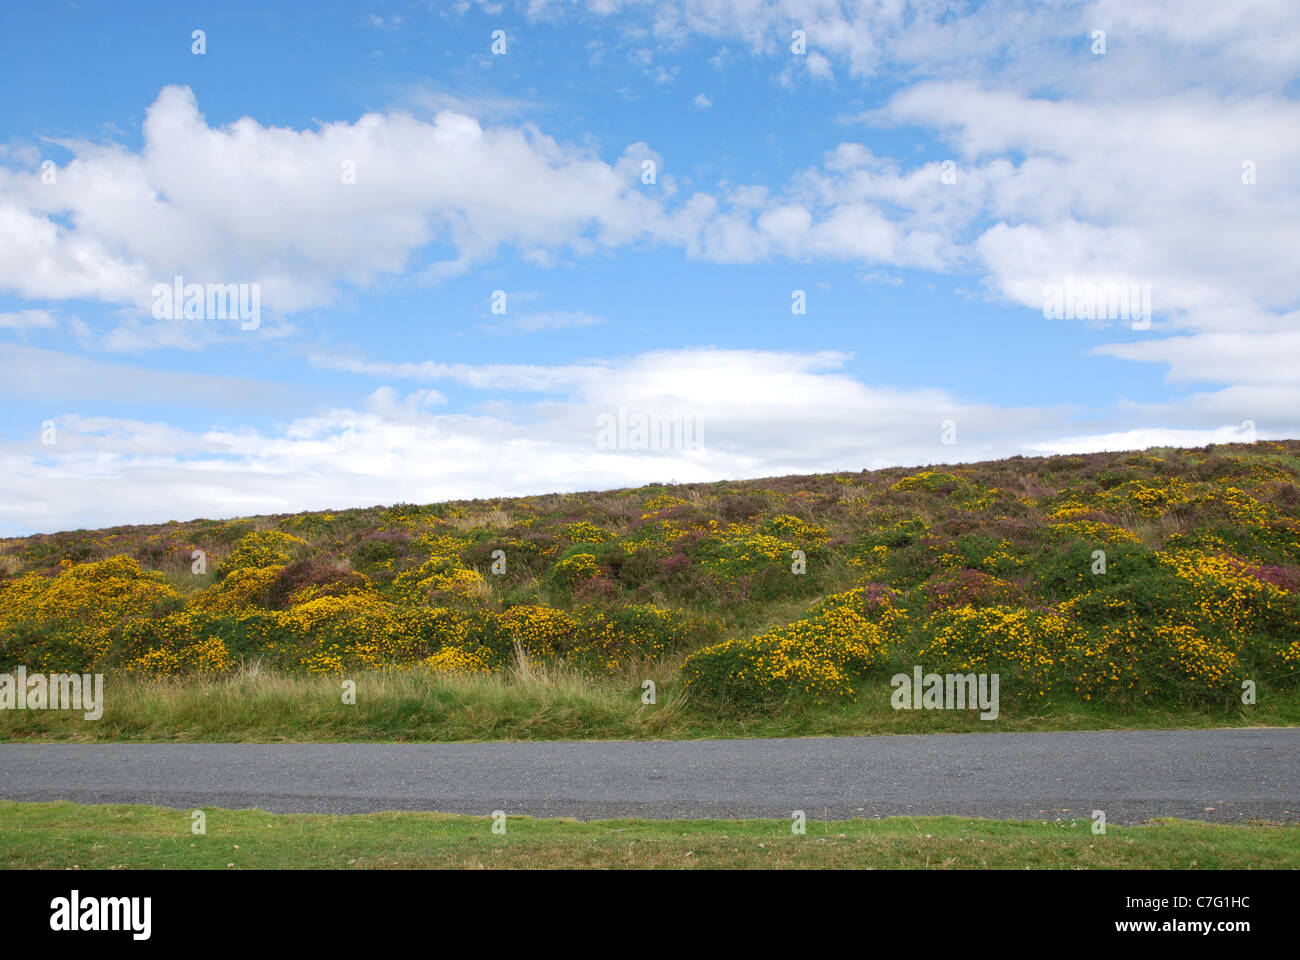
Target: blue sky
378	371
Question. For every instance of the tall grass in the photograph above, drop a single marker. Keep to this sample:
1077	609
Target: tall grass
530	701
527	701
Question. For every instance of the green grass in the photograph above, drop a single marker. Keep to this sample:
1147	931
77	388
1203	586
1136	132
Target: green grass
69	836
541	704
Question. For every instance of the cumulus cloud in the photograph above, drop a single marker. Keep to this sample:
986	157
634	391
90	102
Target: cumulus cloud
1178	215
305	214
205	202
746	413
302	212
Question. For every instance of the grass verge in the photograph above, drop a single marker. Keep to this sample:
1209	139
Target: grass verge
68	836
539	704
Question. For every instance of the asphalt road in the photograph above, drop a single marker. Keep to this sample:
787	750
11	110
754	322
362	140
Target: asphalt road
1220	775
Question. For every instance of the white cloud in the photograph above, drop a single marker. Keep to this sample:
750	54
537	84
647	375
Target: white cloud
1143	438
746	404
554	320
1221	357
28	320
1153	45
1173	214
207	202
267	205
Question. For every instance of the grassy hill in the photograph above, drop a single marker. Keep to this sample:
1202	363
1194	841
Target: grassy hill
1111	588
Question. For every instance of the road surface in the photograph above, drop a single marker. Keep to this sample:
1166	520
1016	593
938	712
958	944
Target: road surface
1219	775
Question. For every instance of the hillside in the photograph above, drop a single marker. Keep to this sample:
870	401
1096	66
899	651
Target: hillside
742	594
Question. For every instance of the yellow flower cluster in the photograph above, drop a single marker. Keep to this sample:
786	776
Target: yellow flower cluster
208	655
1138	658
360	631
635	633
997	639
926	480
442	573
1002	559
981	501
539	630
1072	510
456	660
77	609
1223	590
575	569
1149	498
873	561
302	520
584	532
655	537
262	548
795	530
461	581
740	552
1290	656
1241	507
241	587
1092	531
819	655
662	501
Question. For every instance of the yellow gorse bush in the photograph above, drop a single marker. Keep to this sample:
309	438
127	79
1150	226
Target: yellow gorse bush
1094	531
240	588
819	655
206	656
584	532
1148	498
80	607
996	639
443	573
795	530
539	630
635	633
575	569
1134	659
926	480
361	631
260	549
1224	590
663	501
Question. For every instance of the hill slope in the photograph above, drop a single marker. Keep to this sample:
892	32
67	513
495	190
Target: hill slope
1164	577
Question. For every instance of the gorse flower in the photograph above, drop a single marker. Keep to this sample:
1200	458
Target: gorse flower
821	655
261	549
71	617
